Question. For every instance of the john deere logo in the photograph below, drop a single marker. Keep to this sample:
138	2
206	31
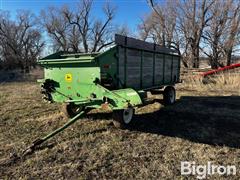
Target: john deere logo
68	77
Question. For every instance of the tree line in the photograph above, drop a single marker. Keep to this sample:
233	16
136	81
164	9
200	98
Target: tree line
25	37
20	41
194	28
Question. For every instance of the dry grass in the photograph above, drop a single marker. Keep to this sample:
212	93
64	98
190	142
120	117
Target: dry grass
228	82
202	126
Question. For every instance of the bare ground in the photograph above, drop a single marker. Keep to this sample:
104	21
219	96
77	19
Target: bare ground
202	126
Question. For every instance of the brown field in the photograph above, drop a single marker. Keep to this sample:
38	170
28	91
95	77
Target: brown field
203	125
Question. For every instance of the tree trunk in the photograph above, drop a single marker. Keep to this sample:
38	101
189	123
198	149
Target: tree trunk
213	62
195	57
27	66
214	59
27	69
184	62
229	57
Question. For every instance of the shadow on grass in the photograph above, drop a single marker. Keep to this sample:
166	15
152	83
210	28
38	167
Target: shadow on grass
211	120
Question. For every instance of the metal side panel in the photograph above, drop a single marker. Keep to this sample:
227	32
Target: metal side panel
133	68
158	69
168	69
140	69
147	70
141	45
121	66
175	69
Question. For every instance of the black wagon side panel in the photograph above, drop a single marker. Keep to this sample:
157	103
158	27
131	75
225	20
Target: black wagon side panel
143	65
158	69
133	68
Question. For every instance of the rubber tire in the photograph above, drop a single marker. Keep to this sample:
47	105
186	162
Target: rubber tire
70	110
118	119
167	95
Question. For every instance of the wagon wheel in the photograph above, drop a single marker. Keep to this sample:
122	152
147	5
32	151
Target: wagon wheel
169	95
123	118
71	109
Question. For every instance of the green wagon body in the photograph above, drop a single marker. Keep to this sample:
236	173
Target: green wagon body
114	79
139	65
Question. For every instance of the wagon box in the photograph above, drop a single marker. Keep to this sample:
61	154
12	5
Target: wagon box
116	79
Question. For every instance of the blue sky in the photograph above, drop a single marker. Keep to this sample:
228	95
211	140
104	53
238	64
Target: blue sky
128	11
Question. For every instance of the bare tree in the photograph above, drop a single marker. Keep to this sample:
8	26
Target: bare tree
80	19
212	26
101	29
213	34
124	30
94	33
64	37
193	18
232	33
76	30
160	26
21	42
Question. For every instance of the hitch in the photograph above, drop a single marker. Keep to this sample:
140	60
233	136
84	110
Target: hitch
39	141
29	150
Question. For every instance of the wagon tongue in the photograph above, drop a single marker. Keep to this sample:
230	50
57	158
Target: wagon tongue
30	149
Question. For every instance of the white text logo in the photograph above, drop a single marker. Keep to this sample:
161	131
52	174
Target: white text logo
202	171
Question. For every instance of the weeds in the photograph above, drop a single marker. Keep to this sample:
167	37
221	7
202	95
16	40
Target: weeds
228	82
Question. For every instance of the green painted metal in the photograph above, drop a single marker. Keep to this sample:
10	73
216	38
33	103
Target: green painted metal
130	95
39	141
70	122
107	61
93	79
77	80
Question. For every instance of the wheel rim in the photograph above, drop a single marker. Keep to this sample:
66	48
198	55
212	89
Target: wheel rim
172	96
76	109
127	115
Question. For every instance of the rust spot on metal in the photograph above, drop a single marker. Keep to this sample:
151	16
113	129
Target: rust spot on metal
105	106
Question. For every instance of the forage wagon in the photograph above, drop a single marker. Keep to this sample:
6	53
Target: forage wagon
117	79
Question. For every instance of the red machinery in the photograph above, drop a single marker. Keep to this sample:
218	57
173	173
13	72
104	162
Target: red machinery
233	66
